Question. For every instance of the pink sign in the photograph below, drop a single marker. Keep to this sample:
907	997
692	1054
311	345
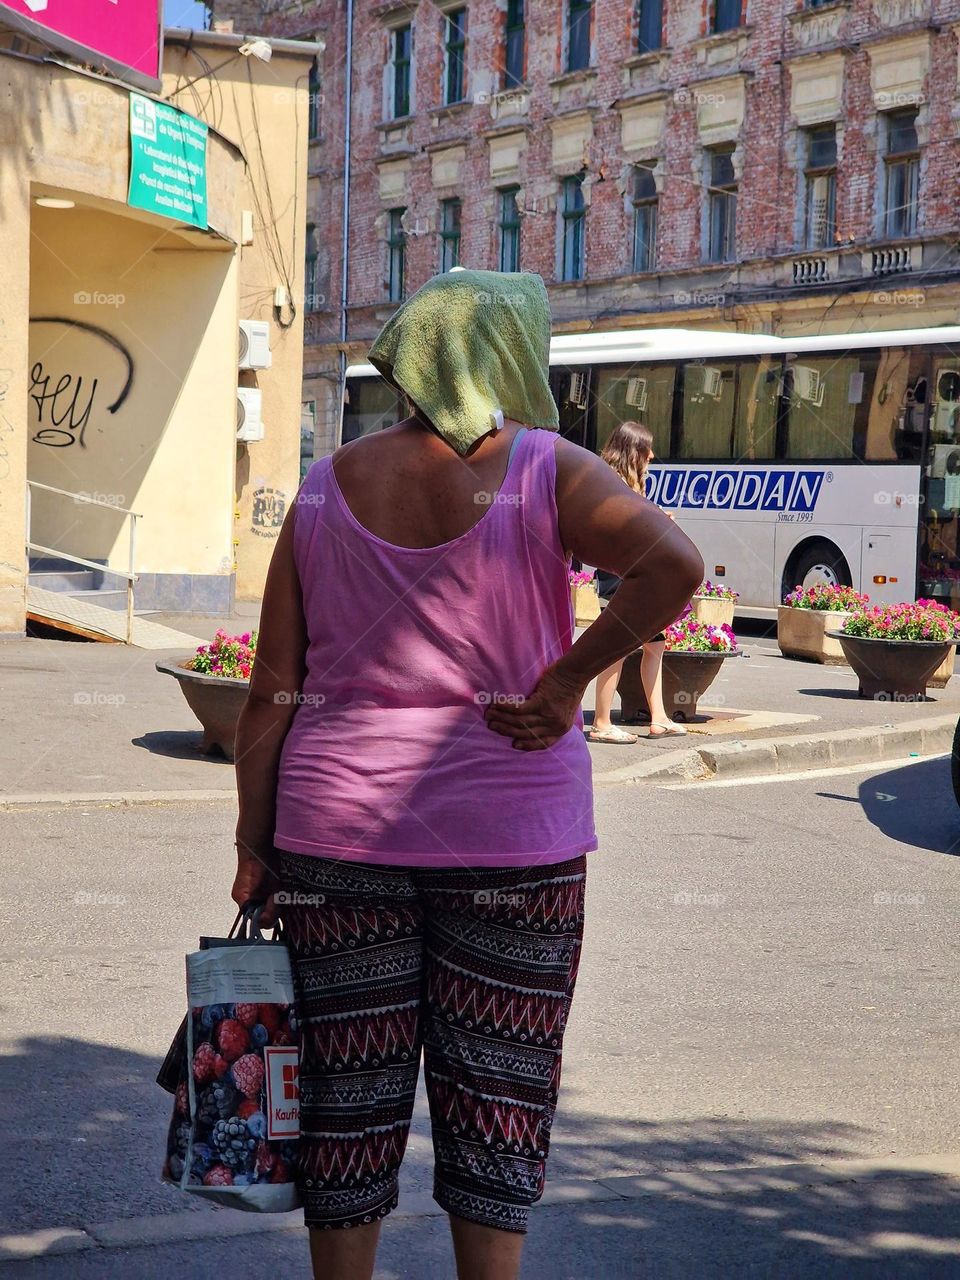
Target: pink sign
121	35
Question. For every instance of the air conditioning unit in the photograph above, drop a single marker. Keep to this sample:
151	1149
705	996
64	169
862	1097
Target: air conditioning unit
637	393
249	414
710	379
946	402
808	384
578	390
254	344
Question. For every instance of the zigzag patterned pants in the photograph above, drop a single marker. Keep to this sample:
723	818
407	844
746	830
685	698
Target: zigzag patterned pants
476	968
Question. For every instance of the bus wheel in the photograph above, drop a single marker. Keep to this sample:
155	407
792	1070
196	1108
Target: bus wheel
955	763
817	562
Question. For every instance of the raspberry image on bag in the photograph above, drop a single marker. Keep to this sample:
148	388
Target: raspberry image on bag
204	1060
248	1014
232	1039
247	1073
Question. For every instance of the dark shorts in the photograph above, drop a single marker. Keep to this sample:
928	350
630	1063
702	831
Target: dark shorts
476	968
607	584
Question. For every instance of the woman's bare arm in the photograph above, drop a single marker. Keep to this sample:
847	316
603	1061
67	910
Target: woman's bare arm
604	523
268	712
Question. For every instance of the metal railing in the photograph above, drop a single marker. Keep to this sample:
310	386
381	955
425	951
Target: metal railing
129	574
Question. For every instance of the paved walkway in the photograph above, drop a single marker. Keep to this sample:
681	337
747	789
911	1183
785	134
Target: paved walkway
89	719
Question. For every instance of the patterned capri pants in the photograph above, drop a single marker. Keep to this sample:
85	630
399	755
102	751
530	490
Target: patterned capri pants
476	968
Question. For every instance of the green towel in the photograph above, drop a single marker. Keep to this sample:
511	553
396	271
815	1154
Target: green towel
470	344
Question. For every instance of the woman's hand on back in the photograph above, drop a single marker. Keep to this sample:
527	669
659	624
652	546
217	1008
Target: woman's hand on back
543	717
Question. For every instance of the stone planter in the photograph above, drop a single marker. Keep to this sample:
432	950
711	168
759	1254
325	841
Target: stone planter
945	670
713	612
214	700
894	670
586	604
802	633
687	675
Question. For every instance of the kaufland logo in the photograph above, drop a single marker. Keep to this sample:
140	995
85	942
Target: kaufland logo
729	489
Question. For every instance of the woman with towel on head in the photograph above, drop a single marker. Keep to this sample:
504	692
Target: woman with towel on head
413	774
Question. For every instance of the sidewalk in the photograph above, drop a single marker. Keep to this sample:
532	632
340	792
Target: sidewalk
836	1219
91	720
764	698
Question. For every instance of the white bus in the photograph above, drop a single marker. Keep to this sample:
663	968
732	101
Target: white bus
786	460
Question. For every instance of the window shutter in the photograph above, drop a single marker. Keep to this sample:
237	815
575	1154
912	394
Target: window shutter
819	209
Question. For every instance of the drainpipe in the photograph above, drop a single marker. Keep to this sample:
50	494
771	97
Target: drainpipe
345	247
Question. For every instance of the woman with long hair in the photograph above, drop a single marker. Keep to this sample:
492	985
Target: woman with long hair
413	775
629	451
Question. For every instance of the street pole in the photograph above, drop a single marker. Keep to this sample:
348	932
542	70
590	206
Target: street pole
345	245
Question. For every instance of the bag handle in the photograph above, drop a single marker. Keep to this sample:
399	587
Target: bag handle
247	924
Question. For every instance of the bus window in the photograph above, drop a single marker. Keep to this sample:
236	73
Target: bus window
830	404
571	391
635	393
895	408
755	415
370	404
709	397
911	416
730	408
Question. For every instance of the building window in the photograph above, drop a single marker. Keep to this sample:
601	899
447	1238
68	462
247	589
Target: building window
509	230
449	234
721	206
311	298
820	214
579	13
516	35
456	56
573	223
401	43
649	25
308	434
397	252
902	161
725	15
644	218
314	101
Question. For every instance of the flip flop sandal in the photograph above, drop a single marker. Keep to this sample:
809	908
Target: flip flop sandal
614	735
670	730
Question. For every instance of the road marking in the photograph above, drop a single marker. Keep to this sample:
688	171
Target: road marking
837	771
113	799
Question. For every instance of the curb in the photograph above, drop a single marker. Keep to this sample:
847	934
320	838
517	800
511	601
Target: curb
744	758
111	799
179	1227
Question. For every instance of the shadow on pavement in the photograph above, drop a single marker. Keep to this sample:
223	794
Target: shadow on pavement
179	744
87	1124
851	695
914	804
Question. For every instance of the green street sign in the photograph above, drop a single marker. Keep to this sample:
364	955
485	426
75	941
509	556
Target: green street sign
168	161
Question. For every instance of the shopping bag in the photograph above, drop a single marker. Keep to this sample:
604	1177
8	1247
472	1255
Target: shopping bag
236	1115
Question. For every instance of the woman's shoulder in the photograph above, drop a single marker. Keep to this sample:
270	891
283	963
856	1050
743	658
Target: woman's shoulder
376	446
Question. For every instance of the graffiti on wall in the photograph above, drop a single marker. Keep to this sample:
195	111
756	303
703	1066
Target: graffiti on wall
64	400
269	509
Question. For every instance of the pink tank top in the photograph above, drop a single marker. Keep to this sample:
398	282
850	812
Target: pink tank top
389	759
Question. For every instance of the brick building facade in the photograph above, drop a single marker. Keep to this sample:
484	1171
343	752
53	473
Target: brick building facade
768	166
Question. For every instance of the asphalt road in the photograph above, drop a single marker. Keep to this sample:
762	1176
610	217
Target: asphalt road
770	976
